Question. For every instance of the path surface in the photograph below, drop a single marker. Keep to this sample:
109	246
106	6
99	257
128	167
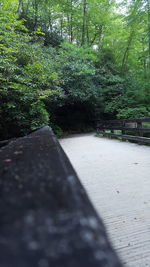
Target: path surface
116	176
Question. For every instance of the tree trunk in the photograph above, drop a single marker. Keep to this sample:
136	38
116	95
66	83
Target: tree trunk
126	53
50	22
71	30
35	14
87	32
68	27
26	8
71	21
61	27
20	8
84	21
148	7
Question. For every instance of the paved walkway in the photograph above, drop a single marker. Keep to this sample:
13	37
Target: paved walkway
116	176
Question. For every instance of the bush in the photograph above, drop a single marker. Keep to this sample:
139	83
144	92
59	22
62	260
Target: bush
57	130
138	112
20	113
52	39
38	115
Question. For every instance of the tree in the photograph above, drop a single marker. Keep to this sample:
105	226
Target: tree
72	55
148	8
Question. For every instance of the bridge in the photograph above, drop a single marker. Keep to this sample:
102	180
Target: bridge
116	176
46	217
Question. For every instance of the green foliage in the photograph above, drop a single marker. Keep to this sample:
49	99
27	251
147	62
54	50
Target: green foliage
20	113
128	113
52	39
38	115
62	59
28	77
57	130
77	72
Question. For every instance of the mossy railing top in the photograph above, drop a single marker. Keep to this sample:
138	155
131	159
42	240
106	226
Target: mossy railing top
46	218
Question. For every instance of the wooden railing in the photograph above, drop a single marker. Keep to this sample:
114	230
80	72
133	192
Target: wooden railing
129	129
46	217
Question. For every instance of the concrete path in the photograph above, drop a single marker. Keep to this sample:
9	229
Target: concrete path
116	176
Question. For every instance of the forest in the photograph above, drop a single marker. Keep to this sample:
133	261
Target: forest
61	60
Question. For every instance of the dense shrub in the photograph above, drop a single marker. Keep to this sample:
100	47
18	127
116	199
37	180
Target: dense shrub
44	79
128	113
20	113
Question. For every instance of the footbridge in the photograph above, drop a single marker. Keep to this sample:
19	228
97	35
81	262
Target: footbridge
116	176
95	214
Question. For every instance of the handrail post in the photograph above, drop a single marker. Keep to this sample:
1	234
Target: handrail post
123	125
139	127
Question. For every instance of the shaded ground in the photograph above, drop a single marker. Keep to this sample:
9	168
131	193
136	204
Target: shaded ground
116	176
